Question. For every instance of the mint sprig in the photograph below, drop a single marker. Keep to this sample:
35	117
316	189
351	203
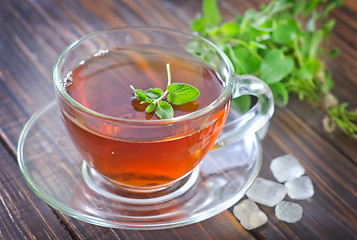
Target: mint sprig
177	94
285	44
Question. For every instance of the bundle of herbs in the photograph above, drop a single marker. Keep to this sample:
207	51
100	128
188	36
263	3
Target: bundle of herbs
284	44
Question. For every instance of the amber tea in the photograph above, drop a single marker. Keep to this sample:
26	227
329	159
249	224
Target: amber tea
137	156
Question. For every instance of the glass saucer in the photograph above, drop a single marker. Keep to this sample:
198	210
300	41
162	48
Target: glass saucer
53	168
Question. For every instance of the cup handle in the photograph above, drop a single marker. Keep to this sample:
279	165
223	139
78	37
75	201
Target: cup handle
238	126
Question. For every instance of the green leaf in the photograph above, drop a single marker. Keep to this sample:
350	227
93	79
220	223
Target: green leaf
246	63
198	25
254	44
284	34
345	119
280	6
309	69
327	85
328	9
305	72
280	93
246	19
298	7
229	29
140	94
241	103
148	100
164	110
311	66
181	93
150	108
316	39
334	53
214	32
310	43
259	20
153	93
310	6
276	66
329	26
211	13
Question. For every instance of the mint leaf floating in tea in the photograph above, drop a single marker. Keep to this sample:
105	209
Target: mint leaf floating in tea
177	94
164	110
153	93
181	93
139	94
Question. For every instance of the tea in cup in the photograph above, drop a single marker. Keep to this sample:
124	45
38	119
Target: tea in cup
118	138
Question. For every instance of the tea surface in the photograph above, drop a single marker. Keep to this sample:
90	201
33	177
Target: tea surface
103	82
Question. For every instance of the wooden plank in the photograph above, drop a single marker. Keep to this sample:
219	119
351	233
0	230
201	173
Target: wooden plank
22	214
222	226
313	118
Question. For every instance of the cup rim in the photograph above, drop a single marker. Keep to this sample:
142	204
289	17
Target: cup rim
227	90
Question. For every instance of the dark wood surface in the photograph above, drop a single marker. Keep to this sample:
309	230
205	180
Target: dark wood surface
34	32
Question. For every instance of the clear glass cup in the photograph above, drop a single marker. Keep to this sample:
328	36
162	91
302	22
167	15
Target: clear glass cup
154	178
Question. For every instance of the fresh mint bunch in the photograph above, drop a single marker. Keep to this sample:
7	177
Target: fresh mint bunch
284	44
177	94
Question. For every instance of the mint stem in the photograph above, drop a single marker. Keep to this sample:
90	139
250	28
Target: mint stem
168	74
168	84
297	52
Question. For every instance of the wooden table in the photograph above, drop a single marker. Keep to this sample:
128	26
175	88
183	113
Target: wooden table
34	32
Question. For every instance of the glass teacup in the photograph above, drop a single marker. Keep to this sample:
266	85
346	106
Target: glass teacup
152	155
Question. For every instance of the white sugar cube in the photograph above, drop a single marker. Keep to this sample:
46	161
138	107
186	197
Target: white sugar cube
285	168
266	192
300	188
288	211
249	214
